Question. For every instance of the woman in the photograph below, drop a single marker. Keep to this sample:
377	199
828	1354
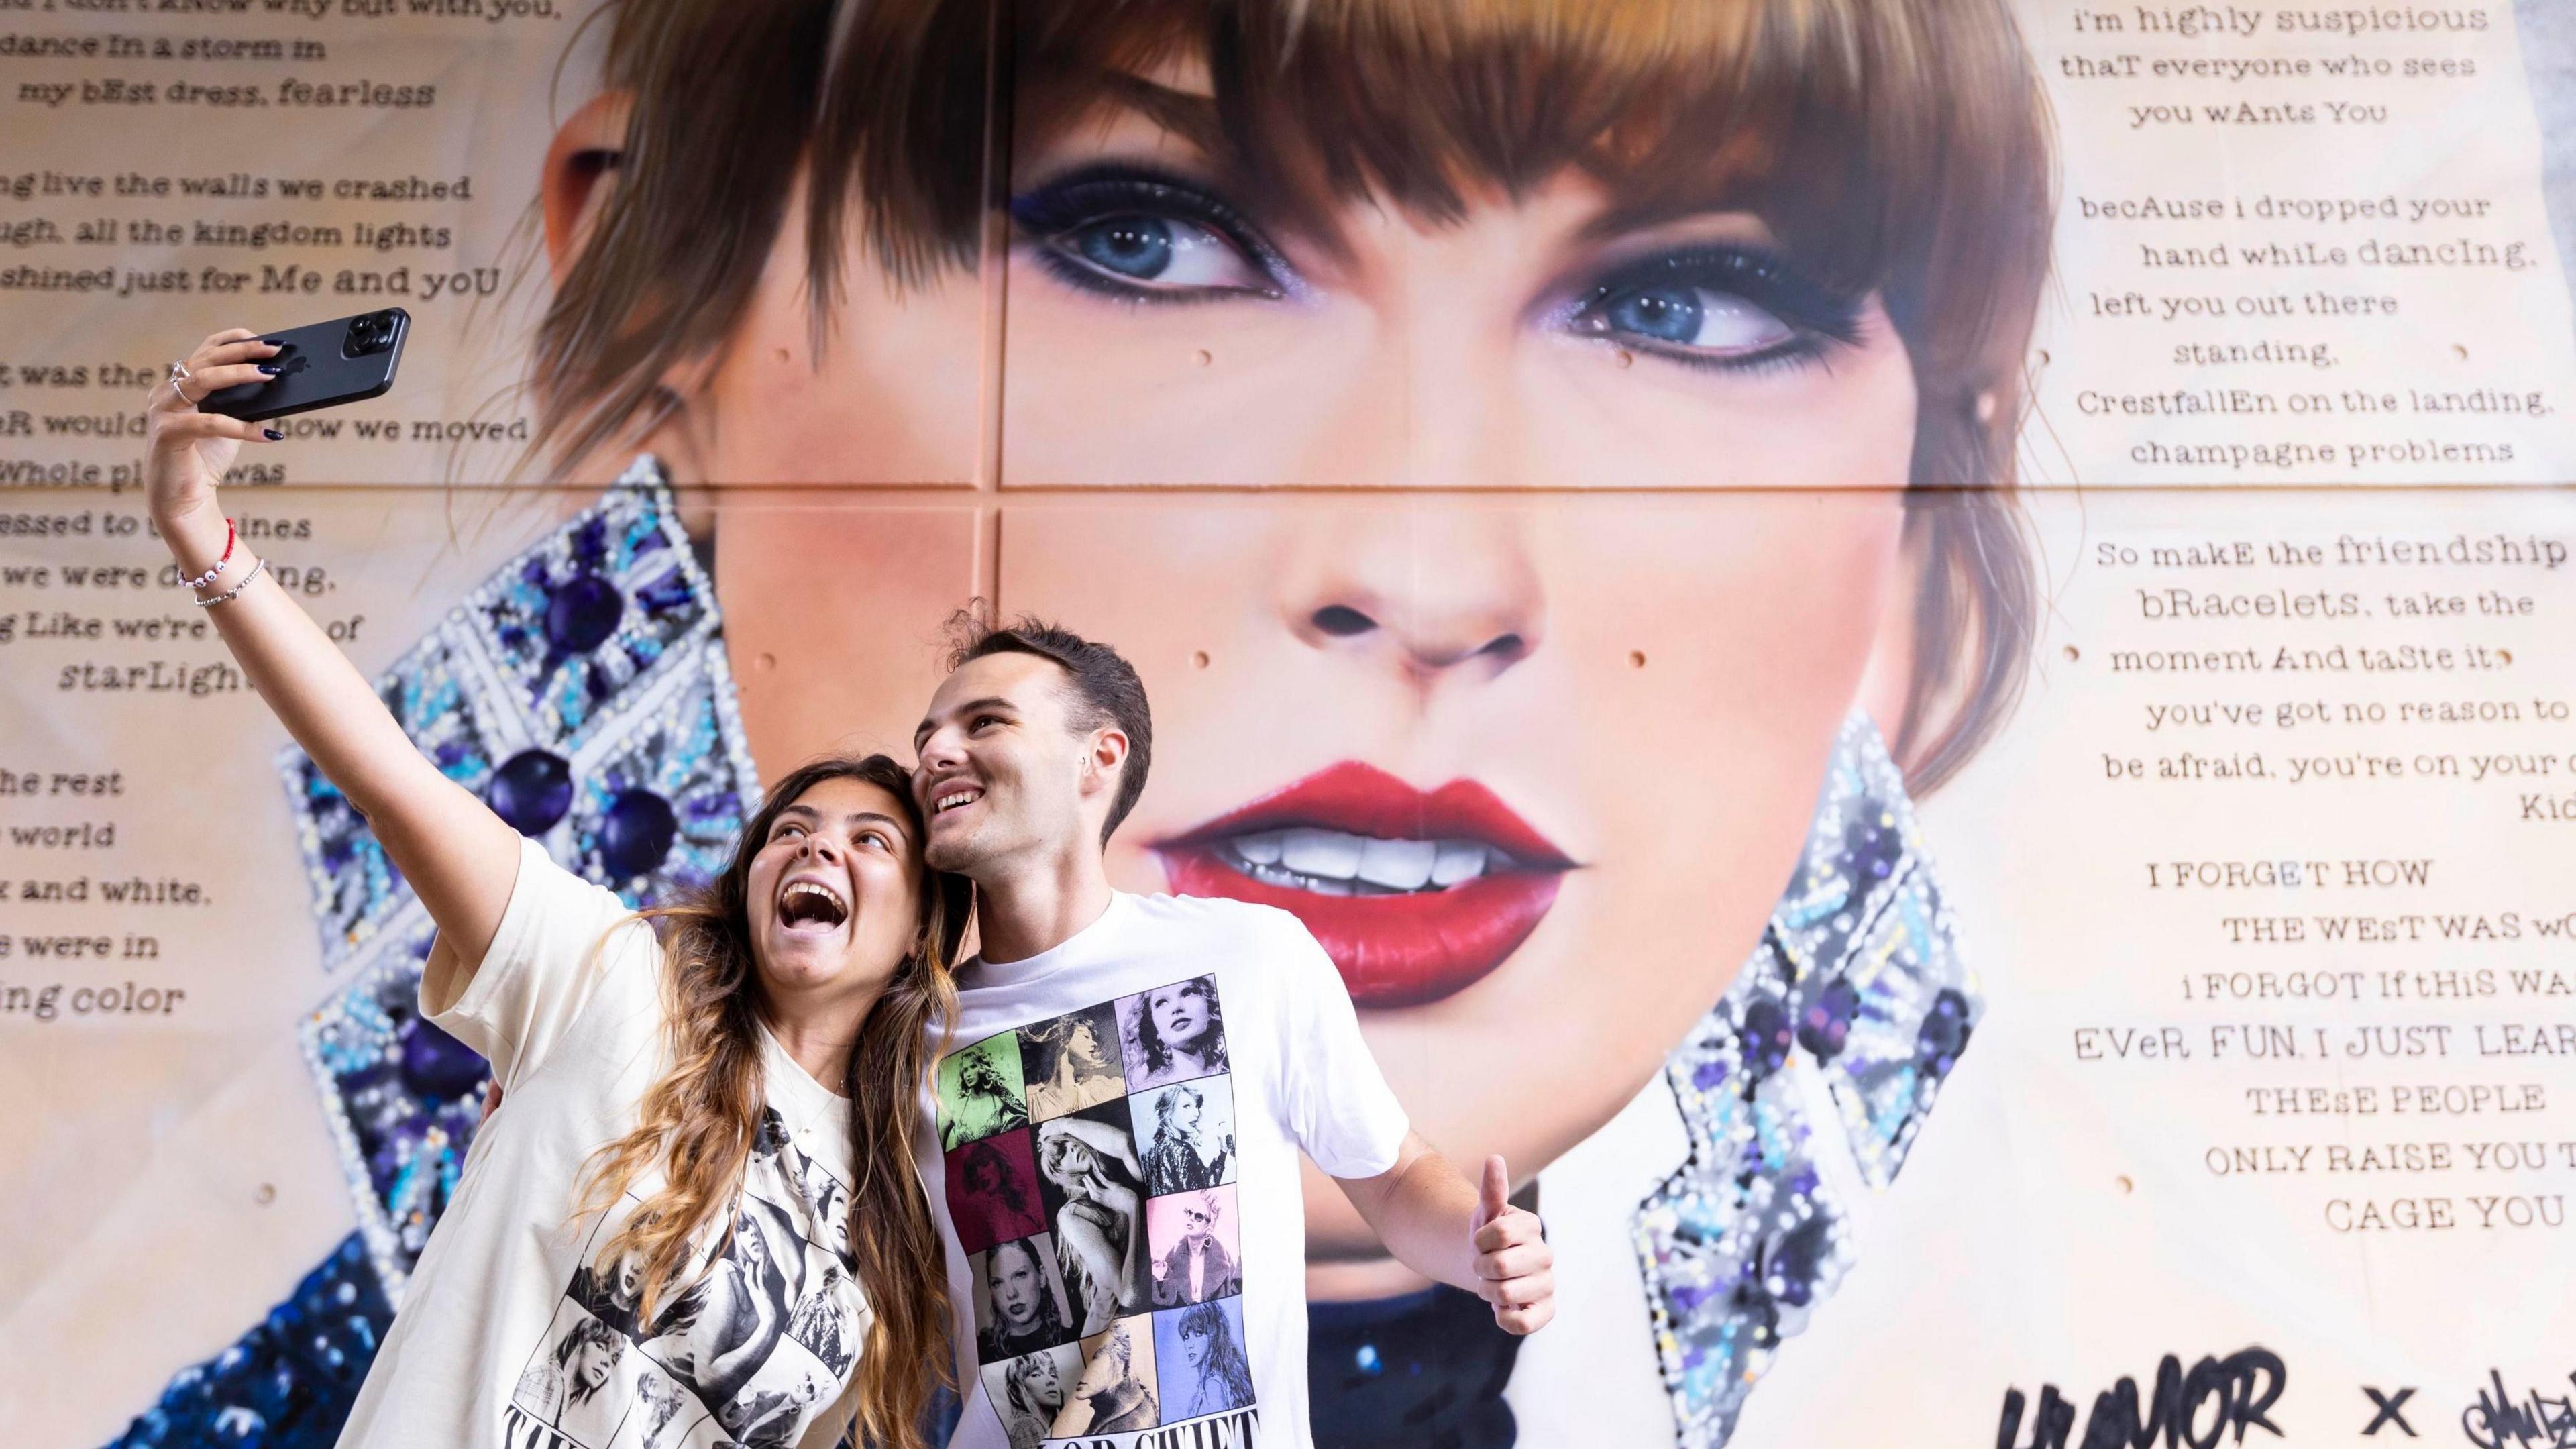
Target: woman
1032	1394
580	1366
1178	1158
643	1073
1174	1033
1772	262
1218	1375
1100	1229
1068	1067
984	1104
1111	1397
1026	1315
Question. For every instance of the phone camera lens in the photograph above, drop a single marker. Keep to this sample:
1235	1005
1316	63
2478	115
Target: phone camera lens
373	332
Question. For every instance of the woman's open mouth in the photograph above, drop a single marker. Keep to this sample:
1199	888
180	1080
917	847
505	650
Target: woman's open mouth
1413	895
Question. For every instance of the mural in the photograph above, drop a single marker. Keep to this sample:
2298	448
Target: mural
1939	621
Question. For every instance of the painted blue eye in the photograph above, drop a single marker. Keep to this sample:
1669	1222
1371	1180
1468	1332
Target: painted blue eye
1137	247
1698	320
1144	254
1669	314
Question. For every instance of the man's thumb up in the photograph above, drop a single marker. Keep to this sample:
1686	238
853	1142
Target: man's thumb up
1515	1268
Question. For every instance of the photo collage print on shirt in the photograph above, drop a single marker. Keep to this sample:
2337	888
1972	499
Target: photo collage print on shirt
746	1353
1091	1179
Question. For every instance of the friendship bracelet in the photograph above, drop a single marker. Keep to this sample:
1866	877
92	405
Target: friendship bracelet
209	576
226	596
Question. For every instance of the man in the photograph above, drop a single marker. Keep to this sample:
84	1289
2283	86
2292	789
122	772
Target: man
1034	749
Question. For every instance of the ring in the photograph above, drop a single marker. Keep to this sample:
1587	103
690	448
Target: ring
179	373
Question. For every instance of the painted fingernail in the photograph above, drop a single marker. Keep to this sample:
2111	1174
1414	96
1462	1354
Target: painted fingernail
273	435
271	369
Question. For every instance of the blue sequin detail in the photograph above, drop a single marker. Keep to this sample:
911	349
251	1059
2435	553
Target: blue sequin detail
1857	987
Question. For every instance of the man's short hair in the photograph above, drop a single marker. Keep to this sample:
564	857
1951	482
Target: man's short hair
1101	683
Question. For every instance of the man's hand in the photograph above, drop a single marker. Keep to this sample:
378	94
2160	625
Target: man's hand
1515	1268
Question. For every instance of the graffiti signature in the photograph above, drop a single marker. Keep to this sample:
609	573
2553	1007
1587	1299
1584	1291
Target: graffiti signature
2234	1393
2496	1420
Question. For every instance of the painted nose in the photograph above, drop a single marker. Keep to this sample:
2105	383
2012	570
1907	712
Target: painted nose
1435	593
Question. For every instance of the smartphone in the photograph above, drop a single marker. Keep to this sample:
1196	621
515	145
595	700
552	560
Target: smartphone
322	365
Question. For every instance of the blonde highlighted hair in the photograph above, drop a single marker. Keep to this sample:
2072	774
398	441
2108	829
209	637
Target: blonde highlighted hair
1894	146
700	1121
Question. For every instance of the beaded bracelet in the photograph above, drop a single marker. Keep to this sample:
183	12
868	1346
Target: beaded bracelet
226	596
231	533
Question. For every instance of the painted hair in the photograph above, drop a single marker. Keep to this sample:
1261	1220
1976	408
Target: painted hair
701	1121
1892	146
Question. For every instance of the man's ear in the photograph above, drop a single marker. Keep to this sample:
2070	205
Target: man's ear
1108	751
580	173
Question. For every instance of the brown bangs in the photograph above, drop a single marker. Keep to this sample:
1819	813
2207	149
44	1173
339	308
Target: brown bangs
1884	142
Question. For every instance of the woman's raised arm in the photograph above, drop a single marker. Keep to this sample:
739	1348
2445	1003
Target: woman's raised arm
460	857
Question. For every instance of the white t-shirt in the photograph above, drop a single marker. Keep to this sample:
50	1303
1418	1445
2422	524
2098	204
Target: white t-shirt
511	1333
1114	1168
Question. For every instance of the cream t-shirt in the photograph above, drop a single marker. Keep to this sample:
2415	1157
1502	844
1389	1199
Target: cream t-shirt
512	1332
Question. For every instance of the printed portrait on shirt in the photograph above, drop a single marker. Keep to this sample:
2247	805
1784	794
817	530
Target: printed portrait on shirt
1172	1033
1029	1392
1199	1354
1185	1135
1094	1186
572	1386
1020	1300
1116	1392
993	1190
744	1353
980	1092
1071	1062
1195	1246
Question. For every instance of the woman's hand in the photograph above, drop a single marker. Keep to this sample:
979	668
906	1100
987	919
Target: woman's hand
460	858
187	451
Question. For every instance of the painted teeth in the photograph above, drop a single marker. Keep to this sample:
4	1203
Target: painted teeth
1338	863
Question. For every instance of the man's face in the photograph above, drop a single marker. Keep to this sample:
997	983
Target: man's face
1003	778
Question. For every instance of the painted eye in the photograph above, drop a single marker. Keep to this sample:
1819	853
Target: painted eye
1161	254
1693	318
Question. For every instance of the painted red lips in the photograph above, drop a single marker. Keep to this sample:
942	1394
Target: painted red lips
1416	941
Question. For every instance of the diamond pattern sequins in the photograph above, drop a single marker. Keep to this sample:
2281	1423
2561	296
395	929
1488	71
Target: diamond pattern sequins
1831	1045
583	693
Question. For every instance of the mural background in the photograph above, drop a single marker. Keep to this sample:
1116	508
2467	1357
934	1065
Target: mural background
1427	490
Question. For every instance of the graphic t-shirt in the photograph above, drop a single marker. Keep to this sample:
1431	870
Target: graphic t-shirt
513	1332
1116	1174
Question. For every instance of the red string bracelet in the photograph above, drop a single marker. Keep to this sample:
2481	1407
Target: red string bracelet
212	574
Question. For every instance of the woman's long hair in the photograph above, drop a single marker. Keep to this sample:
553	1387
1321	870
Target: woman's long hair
699	1122
1225	1361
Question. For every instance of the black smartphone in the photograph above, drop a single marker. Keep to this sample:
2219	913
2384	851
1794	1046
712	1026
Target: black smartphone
321	365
